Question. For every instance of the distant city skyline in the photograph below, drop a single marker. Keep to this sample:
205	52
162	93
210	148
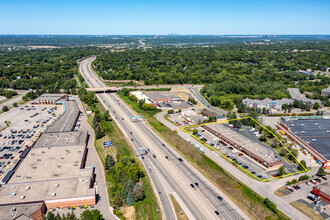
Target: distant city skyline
152	17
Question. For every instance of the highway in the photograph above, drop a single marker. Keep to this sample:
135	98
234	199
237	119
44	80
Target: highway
204	102
264	189
176	176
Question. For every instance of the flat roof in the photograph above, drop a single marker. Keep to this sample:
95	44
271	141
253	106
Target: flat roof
21	211
67	121
254	147
52	97
313	132
43	190
55	159
160	95
55	156
61	139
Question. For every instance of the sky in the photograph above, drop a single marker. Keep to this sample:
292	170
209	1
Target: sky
130	17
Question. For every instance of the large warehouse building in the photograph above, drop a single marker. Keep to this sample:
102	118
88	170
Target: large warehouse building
251	148
312	135
52	174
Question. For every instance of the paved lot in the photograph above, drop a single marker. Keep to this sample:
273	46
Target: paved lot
301	196
18	98
26	123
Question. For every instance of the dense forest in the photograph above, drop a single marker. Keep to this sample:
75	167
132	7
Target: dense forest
230	71
47	69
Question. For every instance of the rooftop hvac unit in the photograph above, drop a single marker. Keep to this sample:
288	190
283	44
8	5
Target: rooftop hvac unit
53	194
313	139
22	197
57	185
28	187
13	194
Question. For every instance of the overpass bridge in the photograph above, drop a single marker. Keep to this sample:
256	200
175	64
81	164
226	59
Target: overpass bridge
103	89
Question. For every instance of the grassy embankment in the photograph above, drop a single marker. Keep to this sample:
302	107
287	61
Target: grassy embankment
250	202
145	209
309	212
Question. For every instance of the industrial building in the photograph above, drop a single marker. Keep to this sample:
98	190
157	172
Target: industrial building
312	135
323	190
52	172
192	117
251	148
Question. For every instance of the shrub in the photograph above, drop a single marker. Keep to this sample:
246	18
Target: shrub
171	111
269	204
195	131
304	177
15	104
109	162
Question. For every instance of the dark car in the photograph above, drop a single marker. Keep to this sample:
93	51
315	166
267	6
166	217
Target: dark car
323	177
311	198
196	184
180	159
154	155
216	212
220	198
166	157
192	185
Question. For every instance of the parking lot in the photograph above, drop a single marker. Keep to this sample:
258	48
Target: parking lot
25	123
302	192
178	120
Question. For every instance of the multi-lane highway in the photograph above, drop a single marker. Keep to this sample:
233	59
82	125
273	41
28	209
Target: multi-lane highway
168	174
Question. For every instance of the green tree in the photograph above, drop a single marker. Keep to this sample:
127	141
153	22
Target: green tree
70	216
109	162
302	165
321	172
195	131
91	215
141	102
98	132
15	104
129	199
138	192
49	216
316	105
171	111
5	108
106	115
212	119
269	204
281	170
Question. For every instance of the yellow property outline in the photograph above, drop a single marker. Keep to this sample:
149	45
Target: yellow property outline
213	149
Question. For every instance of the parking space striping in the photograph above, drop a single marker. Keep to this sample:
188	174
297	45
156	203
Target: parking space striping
244	170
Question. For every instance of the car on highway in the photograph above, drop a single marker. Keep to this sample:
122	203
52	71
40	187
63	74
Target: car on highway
196	184
216	212
166	157
220	198
154	155
253	172
180	159
192	185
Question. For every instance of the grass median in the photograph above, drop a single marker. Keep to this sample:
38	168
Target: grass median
245	198
145	209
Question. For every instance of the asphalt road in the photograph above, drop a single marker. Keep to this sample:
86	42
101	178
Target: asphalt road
201	201
264	189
